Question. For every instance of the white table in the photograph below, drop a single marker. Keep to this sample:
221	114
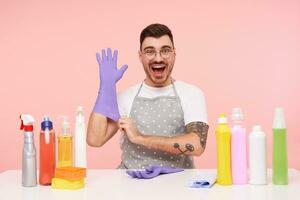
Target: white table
116	184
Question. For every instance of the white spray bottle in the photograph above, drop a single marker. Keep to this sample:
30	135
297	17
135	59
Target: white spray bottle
29	173
80	139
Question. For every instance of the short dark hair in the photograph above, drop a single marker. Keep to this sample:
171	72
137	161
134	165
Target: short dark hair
156	31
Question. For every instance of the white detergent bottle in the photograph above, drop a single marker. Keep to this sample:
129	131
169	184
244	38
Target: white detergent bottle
257	157
80	139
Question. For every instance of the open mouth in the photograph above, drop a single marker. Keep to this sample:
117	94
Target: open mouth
158	70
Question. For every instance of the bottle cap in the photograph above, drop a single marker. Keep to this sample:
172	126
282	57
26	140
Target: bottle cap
222	119
237	114
279	120
26	122
79	109
79	115
65	125
46	123
256	128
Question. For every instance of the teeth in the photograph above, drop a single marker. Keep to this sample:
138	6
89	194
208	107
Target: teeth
157	67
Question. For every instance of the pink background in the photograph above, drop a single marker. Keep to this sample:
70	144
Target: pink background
239	53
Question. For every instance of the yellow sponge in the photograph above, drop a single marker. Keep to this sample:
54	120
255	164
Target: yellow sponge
70	173
58	183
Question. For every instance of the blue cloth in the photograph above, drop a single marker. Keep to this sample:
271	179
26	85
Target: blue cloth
205	180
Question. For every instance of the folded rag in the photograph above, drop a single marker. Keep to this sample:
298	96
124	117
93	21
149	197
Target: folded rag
205	180
152	171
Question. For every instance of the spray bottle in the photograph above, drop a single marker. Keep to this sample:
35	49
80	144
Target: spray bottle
238	148
29	152
80	139
65	144
47	152
223	145
280	166
257	157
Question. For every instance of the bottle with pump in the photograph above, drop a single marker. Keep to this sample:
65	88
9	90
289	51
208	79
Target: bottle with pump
238	148
223	151
29	173
257	157
280	163
47	152
65	145
80	139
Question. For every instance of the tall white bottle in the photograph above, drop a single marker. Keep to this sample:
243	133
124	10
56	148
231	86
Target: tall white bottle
80	139
257	157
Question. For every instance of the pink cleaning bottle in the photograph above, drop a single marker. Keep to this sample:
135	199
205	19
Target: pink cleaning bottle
238	148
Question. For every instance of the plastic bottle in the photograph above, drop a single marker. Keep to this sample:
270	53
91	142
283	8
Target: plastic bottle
65	145
238	148
29	153
280	166
80	139
223	146
257	156
47	152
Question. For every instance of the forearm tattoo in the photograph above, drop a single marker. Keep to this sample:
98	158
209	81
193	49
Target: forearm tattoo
201	129
188	147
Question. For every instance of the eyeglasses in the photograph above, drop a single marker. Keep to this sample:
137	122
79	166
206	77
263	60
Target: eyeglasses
164	53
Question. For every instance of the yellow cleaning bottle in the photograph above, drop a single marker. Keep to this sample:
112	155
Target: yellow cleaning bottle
223	146
65	145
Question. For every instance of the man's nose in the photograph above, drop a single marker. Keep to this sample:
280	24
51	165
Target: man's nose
158	57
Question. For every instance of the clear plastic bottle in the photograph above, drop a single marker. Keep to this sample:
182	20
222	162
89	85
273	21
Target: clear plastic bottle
223	146
257	156
65	147
47	152
238	148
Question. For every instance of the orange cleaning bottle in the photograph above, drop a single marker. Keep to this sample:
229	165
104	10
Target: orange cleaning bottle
47	152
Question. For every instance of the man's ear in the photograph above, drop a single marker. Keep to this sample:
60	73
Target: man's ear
140	55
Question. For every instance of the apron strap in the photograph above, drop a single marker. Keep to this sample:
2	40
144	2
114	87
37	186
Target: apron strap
139	90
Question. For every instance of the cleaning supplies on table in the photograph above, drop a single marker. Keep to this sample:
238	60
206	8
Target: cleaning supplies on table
238	148
152	171
47	152
80	139
69	178
29	173
257	156
280	165
223	151
65	147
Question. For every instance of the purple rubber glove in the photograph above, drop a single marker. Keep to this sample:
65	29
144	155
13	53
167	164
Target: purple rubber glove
152	171
106	103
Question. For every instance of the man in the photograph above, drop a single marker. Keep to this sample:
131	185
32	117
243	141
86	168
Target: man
164	121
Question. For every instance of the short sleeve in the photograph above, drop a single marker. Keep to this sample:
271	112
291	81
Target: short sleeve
125	99
122	104
193	104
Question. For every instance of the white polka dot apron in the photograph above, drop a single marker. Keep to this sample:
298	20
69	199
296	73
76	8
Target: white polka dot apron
159	116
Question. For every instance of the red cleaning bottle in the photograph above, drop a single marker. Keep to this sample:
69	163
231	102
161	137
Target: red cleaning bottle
47	152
